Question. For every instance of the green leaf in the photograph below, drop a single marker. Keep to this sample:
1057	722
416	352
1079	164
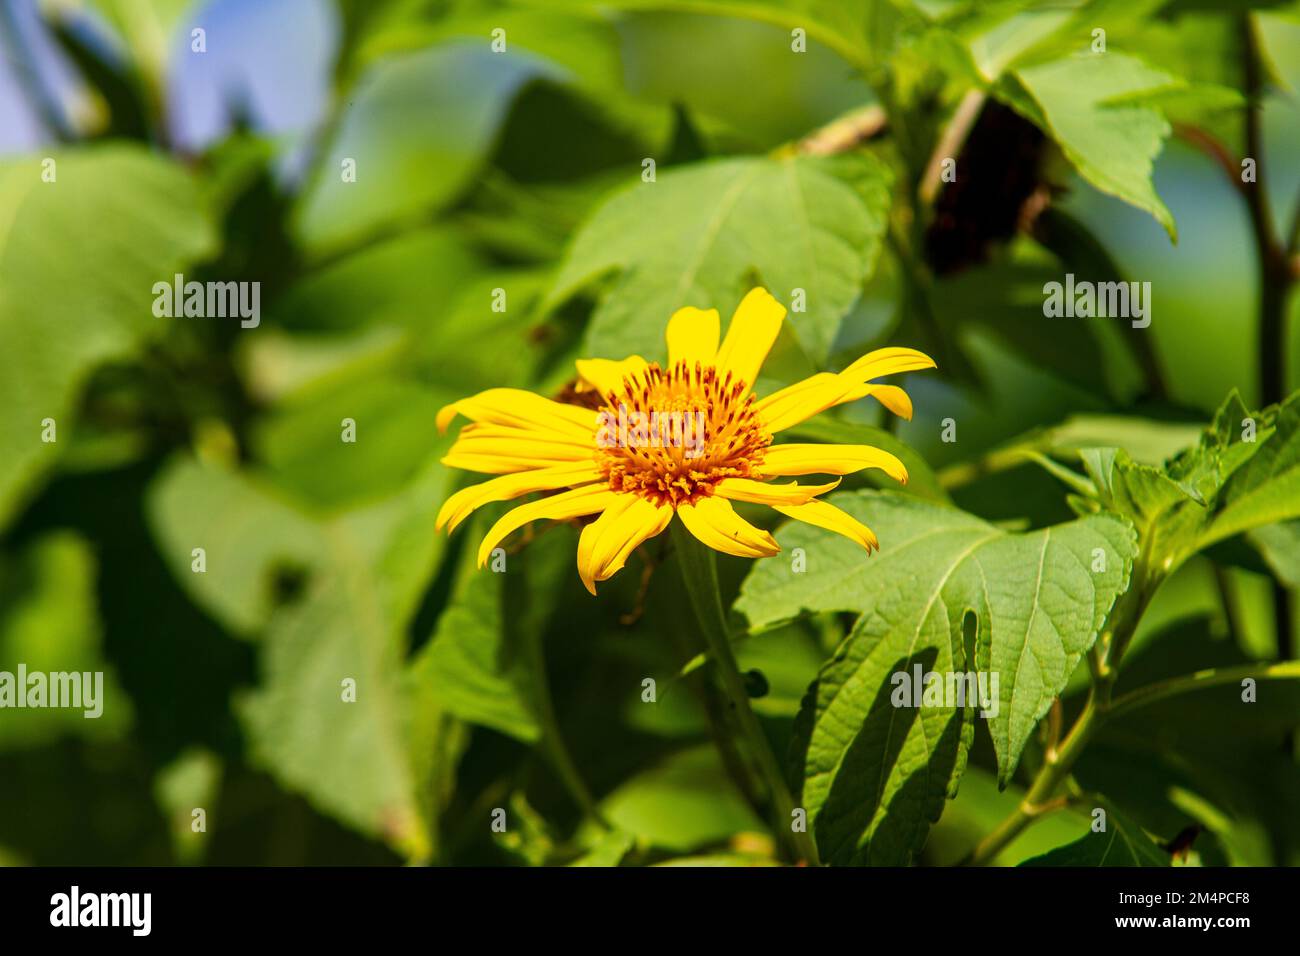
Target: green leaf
1123	843
876	775
1166	515
367	317
387	283
845	26
188	783
1148	441
49	622
74	292
351	758
254	545
703	234
684	802
418	127
1112	146
1265	488
301	443
1279	545
1243	474
476	661
1006	298
608	850
486	655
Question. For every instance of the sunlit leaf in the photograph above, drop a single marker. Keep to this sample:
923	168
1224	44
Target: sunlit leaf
71	296
876	774
703	235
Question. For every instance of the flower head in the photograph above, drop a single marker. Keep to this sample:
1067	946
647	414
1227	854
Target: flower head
640	443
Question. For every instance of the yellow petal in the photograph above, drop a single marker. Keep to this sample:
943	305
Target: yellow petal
810	459
801	401
606	375
460	505
502	449
568	504
888	361
607	542
540	449
716	523
693	336
892	397
520	409
495	464
484	430
764	493
750	336
823	514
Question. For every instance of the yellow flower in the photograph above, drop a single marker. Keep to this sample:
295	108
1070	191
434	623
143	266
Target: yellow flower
685	440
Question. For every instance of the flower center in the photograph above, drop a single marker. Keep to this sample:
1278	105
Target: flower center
671	436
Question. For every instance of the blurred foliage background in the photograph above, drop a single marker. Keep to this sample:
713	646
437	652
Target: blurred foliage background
478	170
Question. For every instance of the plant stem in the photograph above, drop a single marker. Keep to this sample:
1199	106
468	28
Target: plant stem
1056	768
700	573
1276	279
950	144
552	740
1273	268
964	473
1201	679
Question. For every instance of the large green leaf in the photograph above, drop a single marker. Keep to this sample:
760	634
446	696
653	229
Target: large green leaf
78	260
367	569
876	775
1112	145
702	235
418	127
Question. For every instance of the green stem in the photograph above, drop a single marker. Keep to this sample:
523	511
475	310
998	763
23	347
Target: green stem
1055	771
1201	679
1000	459
1276	280
552	736
700	573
